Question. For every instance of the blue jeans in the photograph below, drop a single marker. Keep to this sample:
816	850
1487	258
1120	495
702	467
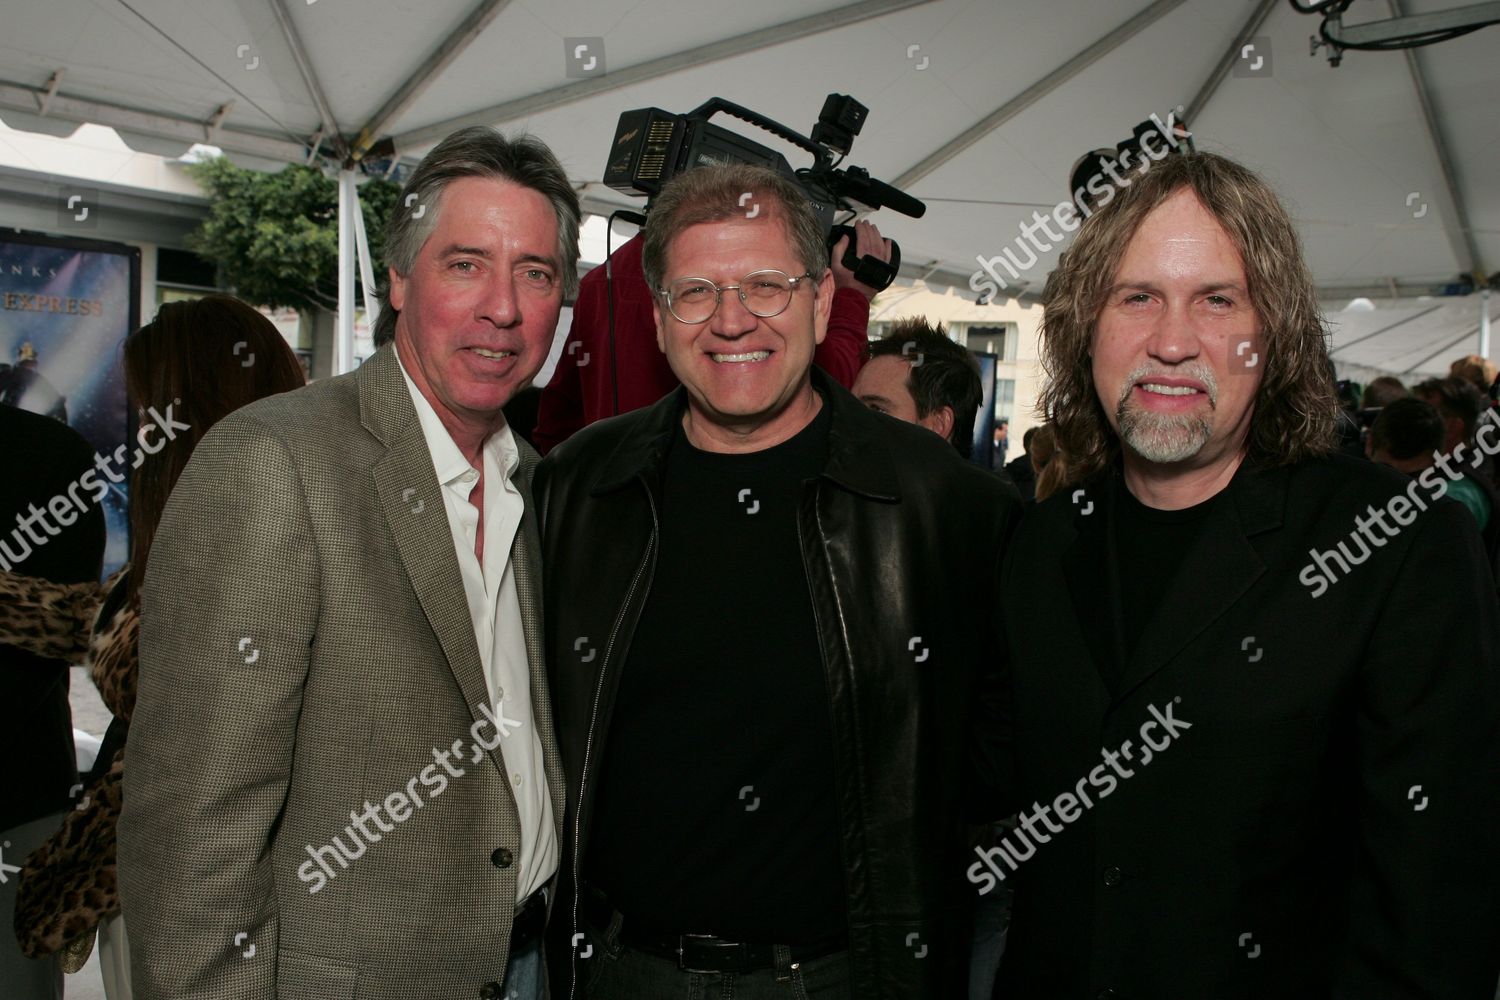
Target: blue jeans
991	926
614	972
523	974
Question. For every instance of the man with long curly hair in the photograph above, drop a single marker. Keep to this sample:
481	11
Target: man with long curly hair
1254	685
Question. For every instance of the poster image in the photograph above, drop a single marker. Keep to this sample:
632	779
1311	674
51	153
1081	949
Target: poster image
66	307
984	426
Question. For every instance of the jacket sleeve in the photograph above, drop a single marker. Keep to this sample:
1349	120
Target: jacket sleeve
842	352
991	758
227	623
1425	900
51	620
560	411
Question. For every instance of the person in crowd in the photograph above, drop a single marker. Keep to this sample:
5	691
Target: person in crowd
1458	402
601	374
183	362
43	458
342	772
1022	471
917	374
1349	433
1221	796
1480	372
770	627
1001	444
1382	391
1408	436
1461	406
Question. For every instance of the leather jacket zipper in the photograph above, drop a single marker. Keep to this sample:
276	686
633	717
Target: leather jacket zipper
588	746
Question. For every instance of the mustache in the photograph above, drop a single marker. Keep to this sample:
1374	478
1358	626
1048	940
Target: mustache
1189	369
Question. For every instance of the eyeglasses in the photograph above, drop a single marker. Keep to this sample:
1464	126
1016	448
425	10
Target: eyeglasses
763	293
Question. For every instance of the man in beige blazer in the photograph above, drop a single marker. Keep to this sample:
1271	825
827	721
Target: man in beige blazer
342	777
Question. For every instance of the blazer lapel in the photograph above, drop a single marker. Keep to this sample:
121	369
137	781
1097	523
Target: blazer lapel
412	500
413	505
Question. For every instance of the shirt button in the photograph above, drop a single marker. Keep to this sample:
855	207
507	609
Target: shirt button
1113	876
501	857
499	695
469	476
516	779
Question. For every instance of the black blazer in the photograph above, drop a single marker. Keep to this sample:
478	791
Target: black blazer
1329	825
41	457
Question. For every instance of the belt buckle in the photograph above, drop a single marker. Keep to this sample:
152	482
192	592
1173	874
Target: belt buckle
708	941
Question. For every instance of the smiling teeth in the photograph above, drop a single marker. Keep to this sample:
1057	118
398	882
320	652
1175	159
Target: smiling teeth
493	354
1169	390
751	356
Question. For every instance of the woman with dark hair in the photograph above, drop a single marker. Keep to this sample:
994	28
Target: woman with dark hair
205	358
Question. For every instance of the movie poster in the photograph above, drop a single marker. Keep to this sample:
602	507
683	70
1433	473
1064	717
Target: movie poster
66	307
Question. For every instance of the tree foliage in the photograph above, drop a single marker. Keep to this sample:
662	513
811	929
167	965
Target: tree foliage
274	237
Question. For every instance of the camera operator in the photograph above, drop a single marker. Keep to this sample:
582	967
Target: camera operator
583	388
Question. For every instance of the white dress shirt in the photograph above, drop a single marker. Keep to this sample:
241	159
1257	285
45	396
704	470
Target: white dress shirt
496	613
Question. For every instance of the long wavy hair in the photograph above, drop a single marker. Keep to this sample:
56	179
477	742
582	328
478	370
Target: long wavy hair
1295	407
209	357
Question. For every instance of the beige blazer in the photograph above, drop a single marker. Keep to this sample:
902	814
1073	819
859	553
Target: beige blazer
306	649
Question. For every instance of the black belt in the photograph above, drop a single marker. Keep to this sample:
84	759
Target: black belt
531	918
699	952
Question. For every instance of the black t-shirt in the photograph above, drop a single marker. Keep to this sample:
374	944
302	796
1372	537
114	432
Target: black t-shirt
1149	548
715	811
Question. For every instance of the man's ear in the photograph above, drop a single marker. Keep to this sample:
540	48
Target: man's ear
939	421
661	334
823	305
398	290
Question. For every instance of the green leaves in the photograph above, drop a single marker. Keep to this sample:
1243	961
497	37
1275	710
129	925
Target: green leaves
274	237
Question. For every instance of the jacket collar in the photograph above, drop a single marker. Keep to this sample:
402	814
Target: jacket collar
385	406
1215	573
859	455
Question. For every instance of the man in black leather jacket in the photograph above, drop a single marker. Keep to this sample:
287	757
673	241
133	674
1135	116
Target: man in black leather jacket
770	635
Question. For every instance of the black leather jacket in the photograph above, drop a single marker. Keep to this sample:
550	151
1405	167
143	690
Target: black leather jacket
901	541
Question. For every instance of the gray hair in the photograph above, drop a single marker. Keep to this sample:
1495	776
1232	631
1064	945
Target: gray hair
713	194
476	151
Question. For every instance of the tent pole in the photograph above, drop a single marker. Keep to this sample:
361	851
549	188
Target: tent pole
366	267
343	350
1484	323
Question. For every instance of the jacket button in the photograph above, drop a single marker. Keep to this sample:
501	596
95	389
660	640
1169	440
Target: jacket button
501	858
1113	877
489	991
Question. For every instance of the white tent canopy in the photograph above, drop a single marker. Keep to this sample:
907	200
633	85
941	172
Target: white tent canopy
978	107
1411	341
